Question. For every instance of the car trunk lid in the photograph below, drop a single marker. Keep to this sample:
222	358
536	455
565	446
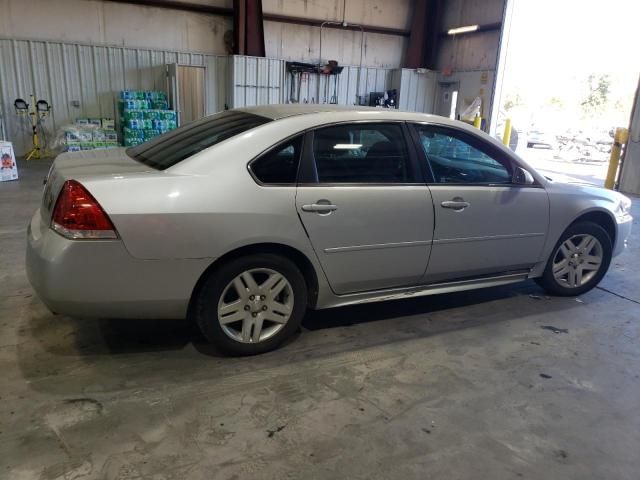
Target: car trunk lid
87	164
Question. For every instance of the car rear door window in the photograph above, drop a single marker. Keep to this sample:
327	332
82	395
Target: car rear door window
457	158
171	148
362	153
279	166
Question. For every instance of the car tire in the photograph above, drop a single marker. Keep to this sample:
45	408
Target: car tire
558	282
245	317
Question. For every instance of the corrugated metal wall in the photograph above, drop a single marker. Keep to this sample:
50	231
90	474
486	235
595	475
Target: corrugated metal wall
63	73
416	91
90	76
261	81
256	81
217	81
343	88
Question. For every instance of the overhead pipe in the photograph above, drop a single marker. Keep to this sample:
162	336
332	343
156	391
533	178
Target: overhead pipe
342	24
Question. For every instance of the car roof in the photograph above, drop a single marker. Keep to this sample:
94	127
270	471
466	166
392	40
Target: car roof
287	121
320	114
278	111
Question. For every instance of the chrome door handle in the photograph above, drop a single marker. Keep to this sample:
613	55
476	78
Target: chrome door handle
455	204
319	207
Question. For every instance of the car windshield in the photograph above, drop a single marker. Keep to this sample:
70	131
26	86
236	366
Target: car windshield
166	150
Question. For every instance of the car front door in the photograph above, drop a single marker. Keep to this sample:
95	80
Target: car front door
365	206
484	222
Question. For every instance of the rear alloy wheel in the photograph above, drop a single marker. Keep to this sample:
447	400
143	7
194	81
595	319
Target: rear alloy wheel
580	260
255	305
251	304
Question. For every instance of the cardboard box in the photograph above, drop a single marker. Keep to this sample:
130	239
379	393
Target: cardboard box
85	136
98	135
8	167
71	135
111	136
73	147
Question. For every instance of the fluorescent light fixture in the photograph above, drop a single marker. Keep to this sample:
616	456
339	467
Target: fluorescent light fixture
347	146
467	29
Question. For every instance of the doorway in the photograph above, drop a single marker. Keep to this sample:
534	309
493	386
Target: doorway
186	92
447	99
566	82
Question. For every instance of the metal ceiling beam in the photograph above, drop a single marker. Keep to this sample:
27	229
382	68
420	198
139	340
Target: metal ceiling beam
268	17
176	5
424	39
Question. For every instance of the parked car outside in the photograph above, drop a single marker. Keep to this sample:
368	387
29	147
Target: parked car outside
540	139
245	219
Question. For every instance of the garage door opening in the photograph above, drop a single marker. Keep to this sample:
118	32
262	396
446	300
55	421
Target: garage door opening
566	80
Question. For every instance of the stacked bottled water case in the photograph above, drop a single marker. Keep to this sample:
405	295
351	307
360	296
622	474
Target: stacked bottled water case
144	115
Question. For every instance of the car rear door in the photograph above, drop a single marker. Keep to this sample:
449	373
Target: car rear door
484	223
365	206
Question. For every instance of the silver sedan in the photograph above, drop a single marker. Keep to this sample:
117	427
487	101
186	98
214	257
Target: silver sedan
245	219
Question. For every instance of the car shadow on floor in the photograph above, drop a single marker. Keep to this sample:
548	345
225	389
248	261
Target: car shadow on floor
121	354
62	335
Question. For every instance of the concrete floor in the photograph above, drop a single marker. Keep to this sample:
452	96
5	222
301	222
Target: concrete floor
469	385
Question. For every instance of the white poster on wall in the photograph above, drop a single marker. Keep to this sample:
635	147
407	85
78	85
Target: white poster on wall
8	166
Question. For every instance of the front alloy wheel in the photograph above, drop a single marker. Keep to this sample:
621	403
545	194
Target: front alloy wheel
579	261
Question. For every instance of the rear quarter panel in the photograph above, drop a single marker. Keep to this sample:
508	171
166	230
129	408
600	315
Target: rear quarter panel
199	216
208	204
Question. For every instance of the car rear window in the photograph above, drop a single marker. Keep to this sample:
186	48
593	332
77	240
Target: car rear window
171	148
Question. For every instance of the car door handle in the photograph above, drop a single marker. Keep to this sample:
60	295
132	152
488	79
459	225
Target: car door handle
455	204
319	207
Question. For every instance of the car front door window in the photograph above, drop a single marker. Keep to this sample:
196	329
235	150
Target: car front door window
454	159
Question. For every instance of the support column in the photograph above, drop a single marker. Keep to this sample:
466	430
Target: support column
425	24
248	28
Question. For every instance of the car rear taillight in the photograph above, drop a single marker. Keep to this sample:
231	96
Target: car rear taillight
77	215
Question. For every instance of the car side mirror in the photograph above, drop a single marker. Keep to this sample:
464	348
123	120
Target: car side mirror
522	177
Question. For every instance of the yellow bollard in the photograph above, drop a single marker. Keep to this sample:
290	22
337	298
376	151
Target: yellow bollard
477	122
621	137
506	137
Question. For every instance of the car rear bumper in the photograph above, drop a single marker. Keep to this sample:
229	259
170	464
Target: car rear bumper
99	278
624	230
